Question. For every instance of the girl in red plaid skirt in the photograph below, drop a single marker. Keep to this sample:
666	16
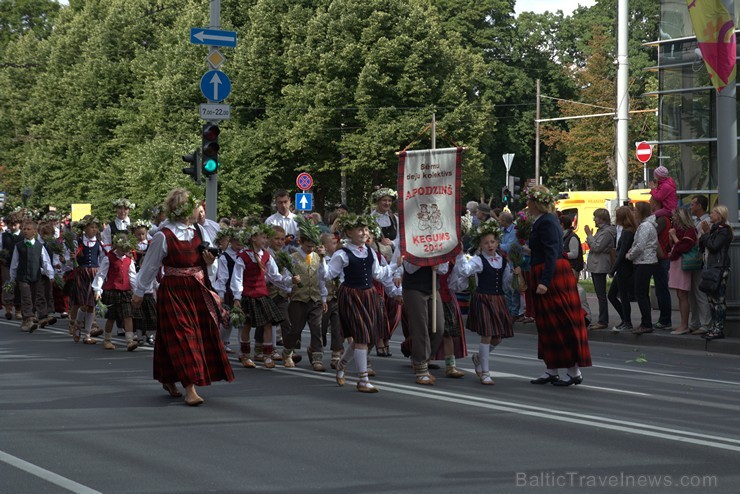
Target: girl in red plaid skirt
188	342
562	338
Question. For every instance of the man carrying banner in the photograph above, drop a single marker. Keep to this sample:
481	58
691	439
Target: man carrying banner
429	212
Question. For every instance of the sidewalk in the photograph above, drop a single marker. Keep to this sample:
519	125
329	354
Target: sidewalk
728	345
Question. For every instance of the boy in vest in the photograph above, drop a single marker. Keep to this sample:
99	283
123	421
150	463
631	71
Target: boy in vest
308	298
120	224
10	238
30	262
49	242
228	243
115	283
331	316
280	298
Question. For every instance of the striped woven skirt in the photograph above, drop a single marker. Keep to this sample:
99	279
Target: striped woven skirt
562	338
84	294
489	316
453	329
145	317
119	304
261	311
358	309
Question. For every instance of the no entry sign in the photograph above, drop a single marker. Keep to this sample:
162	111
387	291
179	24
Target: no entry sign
644	152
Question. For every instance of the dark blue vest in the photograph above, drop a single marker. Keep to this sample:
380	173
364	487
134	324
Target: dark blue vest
88	256
359	272
491	281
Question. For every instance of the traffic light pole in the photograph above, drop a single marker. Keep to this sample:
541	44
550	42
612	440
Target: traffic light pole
212	181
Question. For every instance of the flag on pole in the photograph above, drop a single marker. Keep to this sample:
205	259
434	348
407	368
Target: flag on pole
715	32
429	205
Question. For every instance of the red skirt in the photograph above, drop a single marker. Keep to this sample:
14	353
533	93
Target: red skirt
489	316
188	344
393	313
562	338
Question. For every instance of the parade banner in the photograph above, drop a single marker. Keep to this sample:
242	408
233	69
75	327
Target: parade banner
715	33
429	205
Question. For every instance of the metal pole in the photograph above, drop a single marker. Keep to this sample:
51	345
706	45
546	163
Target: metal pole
623	101
212	181
727	148
536	140
434	271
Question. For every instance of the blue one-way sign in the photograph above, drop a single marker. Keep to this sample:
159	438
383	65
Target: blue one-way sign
212	37
215	85
304	201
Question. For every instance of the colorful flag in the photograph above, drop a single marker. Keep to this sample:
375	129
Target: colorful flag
715	33
429	205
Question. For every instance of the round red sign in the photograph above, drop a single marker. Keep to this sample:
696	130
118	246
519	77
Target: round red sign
644	152
304	181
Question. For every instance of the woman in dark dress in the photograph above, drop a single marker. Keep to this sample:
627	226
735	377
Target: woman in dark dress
562	338
622	290
188	344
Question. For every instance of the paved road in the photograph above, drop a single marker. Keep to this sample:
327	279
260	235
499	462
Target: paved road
79	418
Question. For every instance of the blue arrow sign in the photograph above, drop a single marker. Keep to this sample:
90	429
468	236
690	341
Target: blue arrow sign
215	85
304	201
212	37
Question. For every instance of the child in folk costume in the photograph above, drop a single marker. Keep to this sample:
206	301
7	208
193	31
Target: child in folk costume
188	345
308	297
30	263
356	298
60	300
10	238
53	248
145	317
389	314
453	338
120	224
330	318
280	253
89	253
488	315
228	245
115	282
254	267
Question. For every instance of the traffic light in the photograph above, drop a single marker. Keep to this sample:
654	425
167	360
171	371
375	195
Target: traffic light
515	186
194	169
209	149
505	195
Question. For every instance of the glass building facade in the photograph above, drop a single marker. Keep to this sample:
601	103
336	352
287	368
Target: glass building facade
686	103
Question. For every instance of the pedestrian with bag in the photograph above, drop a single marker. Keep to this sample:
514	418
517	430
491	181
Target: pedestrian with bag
599	262
715	241
684	256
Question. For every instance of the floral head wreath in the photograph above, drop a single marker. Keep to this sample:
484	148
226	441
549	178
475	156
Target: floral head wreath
87	221
384	191
51	216
486	228
374	227
185	209
225	232
141	223
123	241
540	195
351	221
124	203
307	230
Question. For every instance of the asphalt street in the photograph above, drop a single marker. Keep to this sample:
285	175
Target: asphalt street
77	418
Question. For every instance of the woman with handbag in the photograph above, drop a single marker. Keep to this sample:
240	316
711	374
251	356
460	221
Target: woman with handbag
716	242
684	258
644	257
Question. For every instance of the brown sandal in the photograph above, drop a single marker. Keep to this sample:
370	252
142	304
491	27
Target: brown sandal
171	388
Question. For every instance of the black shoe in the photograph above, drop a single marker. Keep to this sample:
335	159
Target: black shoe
544	380
713	335
571	380
279	343
8	316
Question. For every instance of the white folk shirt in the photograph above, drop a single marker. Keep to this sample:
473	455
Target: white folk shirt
340	260
157	251
107	238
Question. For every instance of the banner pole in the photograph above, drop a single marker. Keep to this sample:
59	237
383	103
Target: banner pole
434	271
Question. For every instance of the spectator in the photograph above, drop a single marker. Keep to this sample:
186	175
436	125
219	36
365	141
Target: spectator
715	241
660	278
622	290
599	263
483	212
664	192
339	211
317	220
683	239
573	251
644	257
701	316
283	217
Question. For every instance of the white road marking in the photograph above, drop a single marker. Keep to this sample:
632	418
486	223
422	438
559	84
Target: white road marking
596	421
46	475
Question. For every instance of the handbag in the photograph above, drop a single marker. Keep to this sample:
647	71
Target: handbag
692	260
711	279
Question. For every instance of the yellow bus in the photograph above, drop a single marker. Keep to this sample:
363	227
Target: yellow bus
580	205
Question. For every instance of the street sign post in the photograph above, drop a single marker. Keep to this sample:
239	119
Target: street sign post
212	37
215	85
304	181
304	201
2	199
644	152
508	159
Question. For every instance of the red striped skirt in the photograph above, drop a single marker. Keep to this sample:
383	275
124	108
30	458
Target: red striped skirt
562	338
358	311
453	316
393	313
84	294
188	344
489	316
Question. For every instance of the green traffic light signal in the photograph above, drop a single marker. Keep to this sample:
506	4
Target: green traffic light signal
210	166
